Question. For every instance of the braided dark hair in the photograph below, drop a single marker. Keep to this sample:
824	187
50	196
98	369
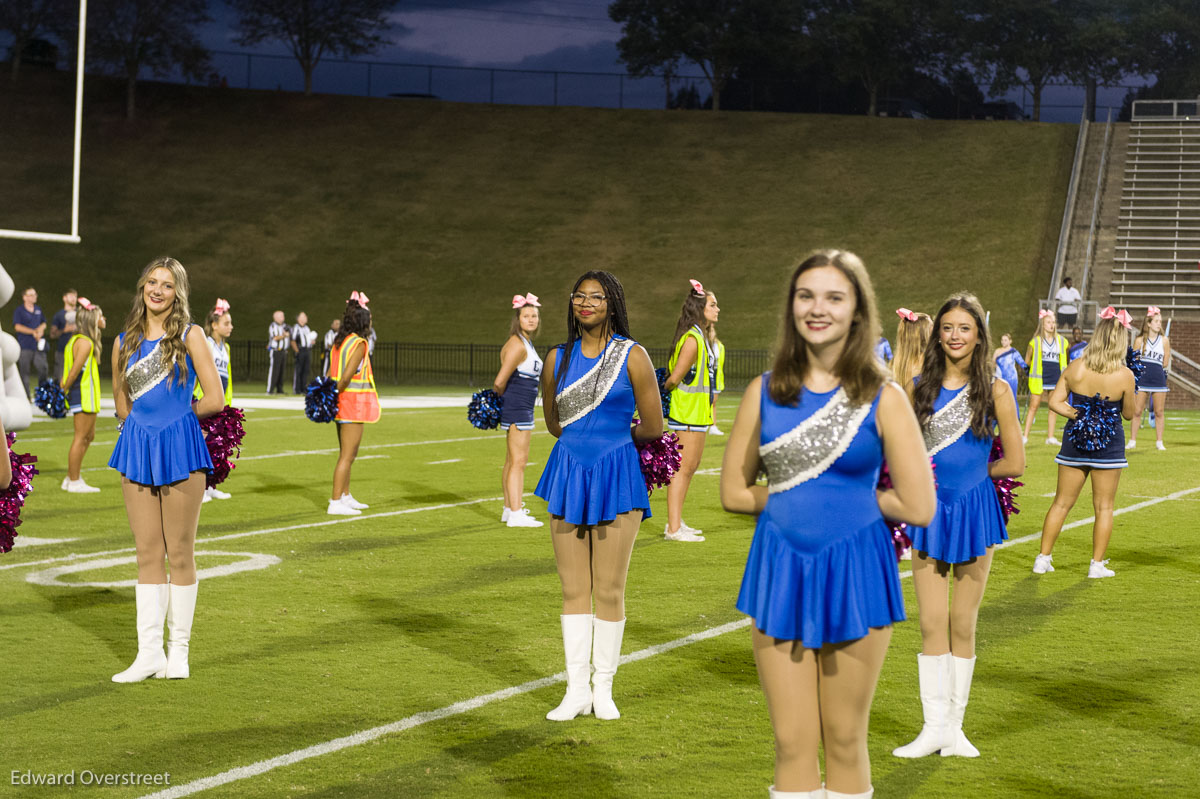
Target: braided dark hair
617	322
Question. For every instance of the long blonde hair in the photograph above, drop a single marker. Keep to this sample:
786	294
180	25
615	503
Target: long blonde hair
857	367
87	323
174	325
911	338
1105	353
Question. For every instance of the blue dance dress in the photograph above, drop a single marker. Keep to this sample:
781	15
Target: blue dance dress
1006	369
1108	453
968	519
593	473
822	567
161	441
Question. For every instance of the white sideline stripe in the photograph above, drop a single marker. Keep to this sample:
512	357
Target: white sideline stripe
467	705
265	531
417	719
451	460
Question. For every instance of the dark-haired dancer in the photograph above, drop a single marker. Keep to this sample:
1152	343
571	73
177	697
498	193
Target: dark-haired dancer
1100	371
81	382
593	481
218	327
517	382
358	402
959	402
821	581
161	453
692	383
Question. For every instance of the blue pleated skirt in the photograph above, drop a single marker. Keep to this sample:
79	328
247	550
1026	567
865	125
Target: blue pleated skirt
161	456
963	529
586	494
1153	379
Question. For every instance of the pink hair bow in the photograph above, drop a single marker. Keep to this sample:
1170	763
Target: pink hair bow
1042	314
528	299
86	303
359	297
1153	310
904	313
697	287
1121	316
222	307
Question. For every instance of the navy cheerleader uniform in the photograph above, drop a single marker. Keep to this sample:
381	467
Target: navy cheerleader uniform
1108	451
1154	378
520	393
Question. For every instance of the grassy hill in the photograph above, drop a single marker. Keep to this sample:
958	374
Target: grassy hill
440	212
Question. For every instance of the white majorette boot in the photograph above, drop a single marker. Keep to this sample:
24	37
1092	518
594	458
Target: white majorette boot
867	794
819	793
961	672
180	610
151	602
933	674
606	654
577	646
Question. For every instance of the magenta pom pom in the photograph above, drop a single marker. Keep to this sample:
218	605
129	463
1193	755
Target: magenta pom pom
13	497
660	459
1005	486
900	539
223	433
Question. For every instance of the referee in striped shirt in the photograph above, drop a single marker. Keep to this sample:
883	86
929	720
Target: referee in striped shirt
278	338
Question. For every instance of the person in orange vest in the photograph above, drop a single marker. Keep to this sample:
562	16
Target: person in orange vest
358	402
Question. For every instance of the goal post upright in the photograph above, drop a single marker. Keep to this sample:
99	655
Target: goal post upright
73	236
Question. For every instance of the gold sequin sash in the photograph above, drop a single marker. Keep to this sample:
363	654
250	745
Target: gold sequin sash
811	447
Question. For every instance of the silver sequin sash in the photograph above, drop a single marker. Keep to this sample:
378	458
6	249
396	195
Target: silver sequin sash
811	447
585	395
143	375
948	425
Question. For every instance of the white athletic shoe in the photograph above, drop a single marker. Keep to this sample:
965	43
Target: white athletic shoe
687	528
1099	568
1159	445
80	487
713	430
350	501
1042	564
217	493
680	535
66	482
1024	439
338	507
207	498
1052	441
522	518
1130	445
505	514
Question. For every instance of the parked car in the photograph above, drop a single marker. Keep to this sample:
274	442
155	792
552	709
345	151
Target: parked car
901	107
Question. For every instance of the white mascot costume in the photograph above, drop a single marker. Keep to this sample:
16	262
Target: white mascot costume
15	409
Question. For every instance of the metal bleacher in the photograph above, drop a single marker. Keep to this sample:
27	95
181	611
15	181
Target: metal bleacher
1158	235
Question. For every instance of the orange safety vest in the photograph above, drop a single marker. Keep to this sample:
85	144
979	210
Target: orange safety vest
358	402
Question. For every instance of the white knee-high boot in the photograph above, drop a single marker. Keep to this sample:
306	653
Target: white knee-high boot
606	655
151	600
577	645
180	611
933	674
819	793
961	672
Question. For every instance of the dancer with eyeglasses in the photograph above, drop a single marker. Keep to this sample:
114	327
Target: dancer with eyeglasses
593	481
517	382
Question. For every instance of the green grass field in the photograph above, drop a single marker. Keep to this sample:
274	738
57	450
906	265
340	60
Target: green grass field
1083	688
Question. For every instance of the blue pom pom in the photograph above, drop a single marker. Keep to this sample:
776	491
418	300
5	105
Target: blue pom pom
51	398
662	374
1095	425
1133	359
321	400
484	409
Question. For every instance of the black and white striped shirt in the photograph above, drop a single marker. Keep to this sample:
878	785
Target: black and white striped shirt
302	336
274	330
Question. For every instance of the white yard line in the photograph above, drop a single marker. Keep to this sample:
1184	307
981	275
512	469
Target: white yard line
467	705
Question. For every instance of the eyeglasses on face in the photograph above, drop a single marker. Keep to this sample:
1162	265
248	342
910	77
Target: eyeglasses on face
579	298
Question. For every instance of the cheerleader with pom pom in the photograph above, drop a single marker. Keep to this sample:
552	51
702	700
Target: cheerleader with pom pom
593	481
821	582
358	402
959	402
691	379
1047	358
81	382
517	383
218	327
1154	348
1097	389
163	459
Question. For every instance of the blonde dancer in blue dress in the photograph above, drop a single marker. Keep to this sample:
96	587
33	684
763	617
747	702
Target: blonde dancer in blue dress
959	401
593	481
162	456
821	581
